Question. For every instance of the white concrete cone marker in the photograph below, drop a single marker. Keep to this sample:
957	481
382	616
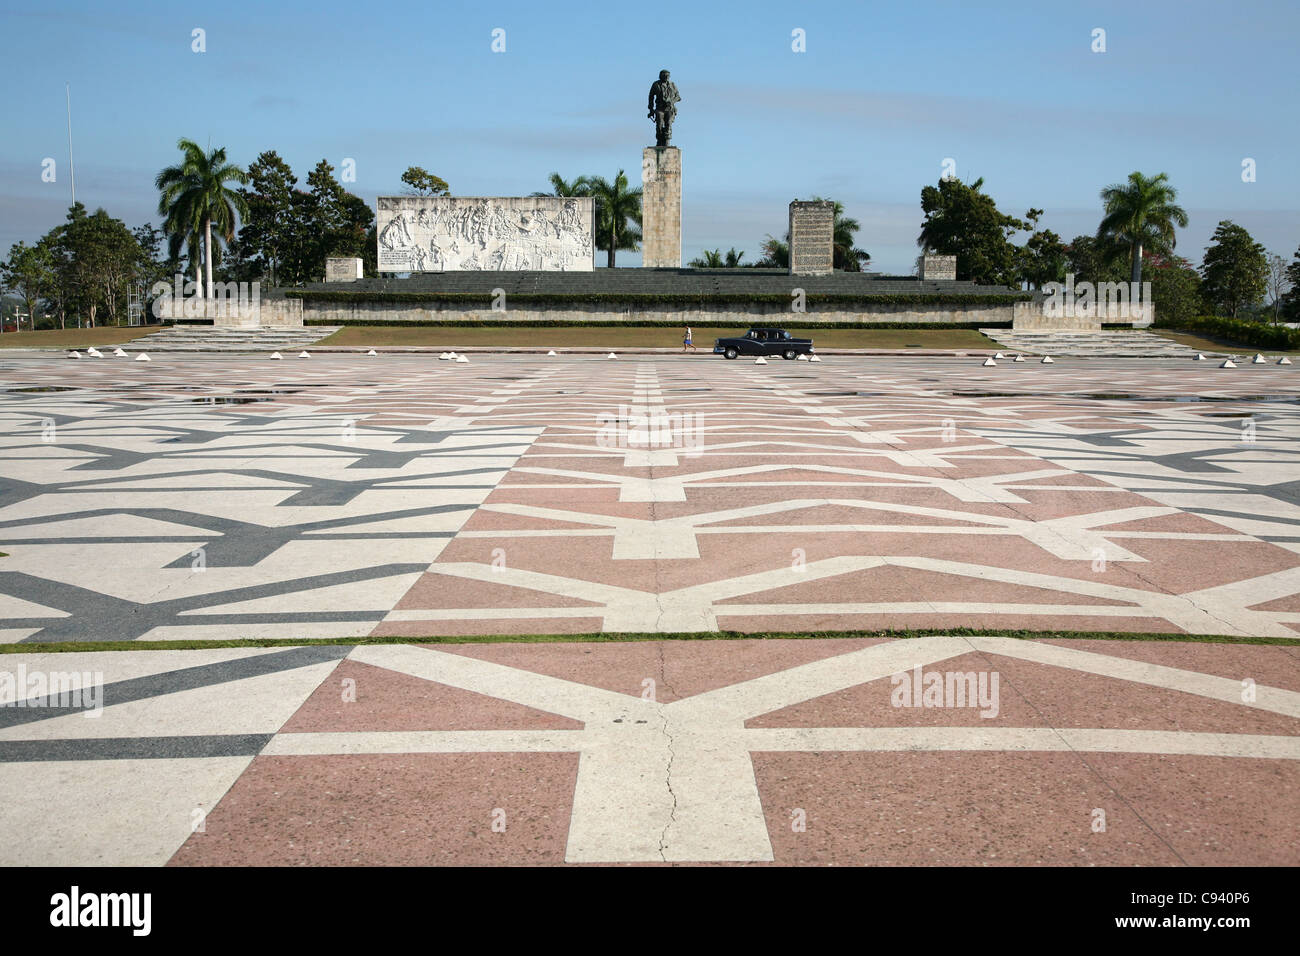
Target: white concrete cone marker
1200	357
1020	358
1259	359
989	361
143	358
464	360
74	354
119	353
813	358
760	361
277	356
1284	361
998	355
1228	364
1047	360
551	352
303	355
372	352
612	355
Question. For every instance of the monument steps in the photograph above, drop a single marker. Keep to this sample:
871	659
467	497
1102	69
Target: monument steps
202	338
1103	343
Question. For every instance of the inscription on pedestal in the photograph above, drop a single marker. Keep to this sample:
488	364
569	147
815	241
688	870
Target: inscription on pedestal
812	238
661	207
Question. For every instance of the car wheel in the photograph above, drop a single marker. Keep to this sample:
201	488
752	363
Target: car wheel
730	353
789	355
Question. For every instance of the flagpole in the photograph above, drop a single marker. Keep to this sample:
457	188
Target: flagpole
72	169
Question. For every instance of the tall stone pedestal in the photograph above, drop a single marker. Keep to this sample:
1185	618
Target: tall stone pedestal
661	207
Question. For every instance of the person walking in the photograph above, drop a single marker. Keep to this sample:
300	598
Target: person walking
686	342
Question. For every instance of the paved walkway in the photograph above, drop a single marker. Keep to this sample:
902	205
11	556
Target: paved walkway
793	752
204	498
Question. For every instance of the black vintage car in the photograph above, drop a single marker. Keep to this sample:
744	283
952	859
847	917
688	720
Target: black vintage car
764	342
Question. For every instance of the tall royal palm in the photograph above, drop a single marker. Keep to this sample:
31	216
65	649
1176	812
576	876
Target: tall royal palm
616	207
579	187
194	198
1141	213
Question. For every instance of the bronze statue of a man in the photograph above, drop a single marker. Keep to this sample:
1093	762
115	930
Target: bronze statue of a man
663	108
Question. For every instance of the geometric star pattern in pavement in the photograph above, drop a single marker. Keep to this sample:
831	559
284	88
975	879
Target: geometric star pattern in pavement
236	497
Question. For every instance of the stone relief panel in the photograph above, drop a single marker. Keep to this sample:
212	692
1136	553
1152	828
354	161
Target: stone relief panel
455	233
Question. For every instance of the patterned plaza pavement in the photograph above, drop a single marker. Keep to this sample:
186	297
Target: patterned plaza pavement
205	498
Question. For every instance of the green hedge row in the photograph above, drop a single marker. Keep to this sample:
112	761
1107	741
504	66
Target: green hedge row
793	323
484	299
1256	334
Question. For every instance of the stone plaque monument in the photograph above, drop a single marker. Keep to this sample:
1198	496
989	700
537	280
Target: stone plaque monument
455	233
343	270
661	207
943	268
812	238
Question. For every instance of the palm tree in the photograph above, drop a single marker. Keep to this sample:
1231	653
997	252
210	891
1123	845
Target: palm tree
616	205
1141	213
579	187
846	257
193	197
714	259
776	253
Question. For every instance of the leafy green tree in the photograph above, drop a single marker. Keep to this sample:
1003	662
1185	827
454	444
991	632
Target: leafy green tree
194	197
1291	301
270	226
1042	258
962	221
579	187
1234	270
99	256
1278	284
424	183
153	266
1096	260
29	272
338	220
1175	288
1141	214
618	214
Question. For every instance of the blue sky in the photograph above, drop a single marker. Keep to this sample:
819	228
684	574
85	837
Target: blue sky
883	94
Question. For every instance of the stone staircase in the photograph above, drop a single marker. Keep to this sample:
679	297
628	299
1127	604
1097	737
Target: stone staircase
1103	343
207	338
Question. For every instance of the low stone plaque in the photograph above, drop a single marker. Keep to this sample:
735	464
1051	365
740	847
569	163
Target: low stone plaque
343	270
943	268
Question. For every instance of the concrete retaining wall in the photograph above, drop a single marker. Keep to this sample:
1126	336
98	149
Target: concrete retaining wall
342	313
